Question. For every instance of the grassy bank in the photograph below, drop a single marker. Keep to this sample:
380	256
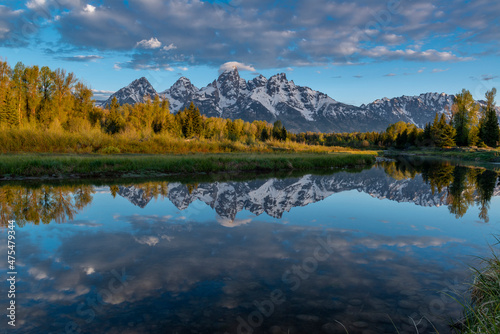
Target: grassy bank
134	165
471	154
482	312
93	140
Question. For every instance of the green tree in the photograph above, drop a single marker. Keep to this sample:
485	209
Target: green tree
465	119
279	131
489	131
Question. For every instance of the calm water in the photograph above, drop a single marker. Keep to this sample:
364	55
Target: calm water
377	251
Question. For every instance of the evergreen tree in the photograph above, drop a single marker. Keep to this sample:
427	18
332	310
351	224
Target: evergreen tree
402	140
446	133
279	131
264	134
489	131
427	135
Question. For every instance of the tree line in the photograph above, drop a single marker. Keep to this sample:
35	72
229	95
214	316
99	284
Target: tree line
463	187
469	125
41	97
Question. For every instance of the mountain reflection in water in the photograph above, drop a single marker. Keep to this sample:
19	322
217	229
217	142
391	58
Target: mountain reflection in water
429	184
369	252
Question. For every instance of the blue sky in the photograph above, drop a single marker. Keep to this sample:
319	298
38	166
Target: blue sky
355	51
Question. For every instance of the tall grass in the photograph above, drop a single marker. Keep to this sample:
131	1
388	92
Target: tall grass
482	310
93	140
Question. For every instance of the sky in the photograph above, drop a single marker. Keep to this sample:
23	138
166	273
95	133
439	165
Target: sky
354	51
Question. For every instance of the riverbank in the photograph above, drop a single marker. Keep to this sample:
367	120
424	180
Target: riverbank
469	154
25	166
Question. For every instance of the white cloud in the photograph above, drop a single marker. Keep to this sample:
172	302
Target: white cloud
169	47
234	64
35	4
117	66
168	68
148	240
390	75
432	55
89	9
100	91
183	68
438	70
152	43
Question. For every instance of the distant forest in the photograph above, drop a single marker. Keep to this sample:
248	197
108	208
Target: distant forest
39	99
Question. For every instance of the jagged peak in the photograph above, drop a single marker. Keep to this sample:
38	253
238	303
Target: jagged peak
140	81
231	74
183	81
278	77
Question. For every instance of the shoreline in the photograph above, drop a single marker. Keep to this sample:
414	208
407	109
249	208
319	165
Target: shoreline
46	167
471	155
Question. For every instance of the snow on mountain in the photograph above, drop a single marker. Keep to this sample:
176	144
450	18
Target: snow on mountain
417	110
135	92
180	92
299	108
276	196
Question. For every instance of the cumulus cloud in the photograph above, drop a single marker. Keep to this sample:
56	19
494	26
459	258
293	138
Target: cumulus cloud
234	64
270	35
169	47
152	43
89	9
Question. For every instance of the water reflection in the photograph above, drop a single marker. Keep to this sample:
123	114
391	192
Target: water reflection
461	186
425	184
43	204
370	252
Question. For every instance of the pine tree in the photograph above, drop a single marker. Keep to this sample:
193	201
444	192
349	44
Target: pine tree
446	133
489	131
264	134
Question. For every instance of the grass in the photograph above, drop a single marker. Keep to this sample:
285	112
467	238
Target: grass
470	154
93	140
482	311
134	165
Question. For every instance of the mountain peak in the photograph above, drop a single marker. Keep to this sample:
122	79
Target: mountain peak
140	82
229	74
135	92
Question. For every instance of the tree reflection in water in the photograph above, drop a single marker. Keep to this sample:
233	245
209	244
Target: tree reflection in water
462	187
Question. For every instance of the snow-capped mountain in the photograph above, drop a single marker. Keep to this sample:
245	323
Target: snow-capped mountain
135	92
417	110
276	196
299	108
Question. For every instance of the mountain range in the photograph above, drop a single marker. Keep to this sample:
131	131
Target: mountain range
276	196
299	108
